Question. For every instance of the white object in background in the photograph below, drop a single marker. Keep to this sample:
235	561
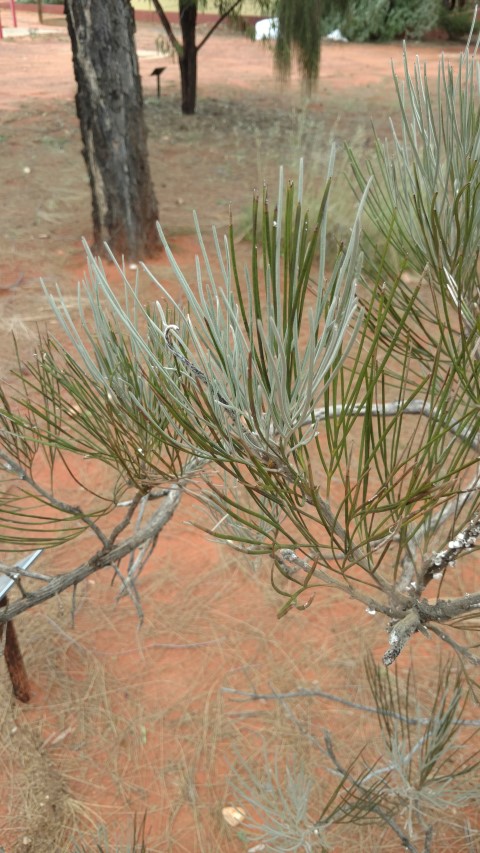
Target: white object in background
266	29
336	35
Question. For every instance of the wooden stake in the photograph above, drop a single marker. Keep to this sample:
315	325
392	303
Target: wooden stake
13	659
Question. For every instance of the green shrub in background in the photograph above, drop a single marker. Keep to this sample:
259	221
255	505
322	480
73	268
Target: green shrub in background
456	22
411	18
383	20
364	21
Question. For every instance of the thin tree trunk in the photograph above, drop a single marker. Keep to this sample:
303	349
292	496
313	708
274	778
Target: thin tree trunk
188	57
110	109
187	50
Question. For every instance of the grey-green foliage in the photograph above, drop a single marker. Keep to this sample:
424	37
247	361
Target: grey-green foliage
69	406
424	207
424	199
414	779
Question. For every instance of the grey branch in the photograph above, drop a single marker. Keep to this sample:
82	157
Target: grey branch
330	697
463	541
105	557
67	509
423	613
415	407
454	507
400	633
288	558
15	572
123	524
444	610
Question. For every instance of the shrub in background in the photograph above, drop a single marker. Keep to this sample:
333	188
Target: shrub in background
411	18
384	20
365	21
457	22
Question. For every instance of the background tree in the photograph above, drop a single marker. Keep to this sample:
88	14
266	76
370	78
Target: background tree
110	110
299	32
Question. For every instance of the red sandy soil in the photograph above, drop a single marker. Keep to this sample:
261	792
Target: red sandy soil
121	722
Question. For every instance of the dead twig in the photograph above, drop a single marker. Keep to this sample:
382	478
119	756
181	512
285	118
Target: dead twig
304	692
13	659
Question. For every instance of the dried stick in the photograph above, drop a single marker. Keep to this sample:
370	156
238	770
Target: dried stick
14	660
312	694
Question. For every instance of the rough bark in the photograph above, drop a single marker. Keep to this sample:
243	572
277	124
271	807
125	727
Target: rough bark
109	106
188	56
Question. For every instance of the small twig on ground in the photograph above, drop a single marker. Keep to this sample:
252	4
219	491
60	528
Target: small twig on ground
73	609
15	283
195	645
303	692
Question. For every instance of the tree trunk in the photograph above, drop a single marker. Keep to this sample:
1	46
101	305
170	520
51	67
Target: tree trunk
110	109
188	57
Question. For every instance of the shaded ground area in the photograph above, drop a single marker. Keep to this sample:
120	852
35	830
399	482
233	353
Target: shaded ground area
125	719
